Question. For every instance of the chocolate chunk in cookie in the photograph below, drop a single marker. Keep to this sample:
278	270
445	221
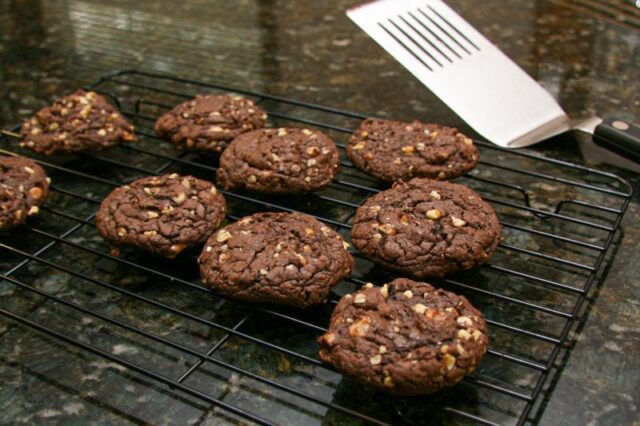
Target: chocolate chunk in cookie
78	122
405	337
393	150
426	228
279	161
210	122
283	258
162	215
24	186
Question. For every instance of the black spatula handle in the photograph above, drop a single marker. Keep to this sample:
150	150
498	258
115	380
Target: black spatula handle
619	136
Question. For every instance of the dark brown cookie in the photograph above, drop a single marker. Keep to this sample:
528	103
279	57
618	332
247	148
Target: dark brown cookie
25	186
163	215
405	337
279	161
210	122
284	258
393	150
78	122
426	228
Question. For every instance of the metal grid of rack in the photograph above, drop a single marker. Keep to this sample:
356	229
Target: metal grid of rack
560	222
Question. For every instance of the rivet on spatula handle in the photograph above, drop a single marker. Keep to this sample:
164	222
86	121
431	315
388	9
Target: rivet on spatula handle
620	136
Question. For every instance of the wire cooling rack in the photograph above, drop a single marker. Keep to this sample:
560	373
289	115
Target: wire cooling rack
240	363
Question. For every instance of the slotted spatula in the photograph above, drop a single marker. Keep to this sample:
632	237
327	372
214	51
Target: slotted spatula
474	78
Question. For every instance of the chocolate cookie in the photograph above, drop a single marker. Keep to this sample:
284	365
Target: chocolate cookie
279	161
163	215
393	150
78	122
209	122
283	258
405	337
426	228
24	186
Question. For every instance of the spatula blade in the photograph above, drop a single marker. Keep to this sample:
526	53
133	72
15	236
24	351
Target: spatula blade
464	69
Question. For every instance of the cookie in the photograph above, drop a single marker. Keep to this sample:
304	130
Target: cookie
24	186
162	215
426	228
210	122
393	150
283	258
279	161
79	122
406	337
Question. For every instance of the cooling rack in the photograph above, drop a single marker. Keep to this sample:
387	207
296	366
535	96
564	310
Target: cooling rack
241	363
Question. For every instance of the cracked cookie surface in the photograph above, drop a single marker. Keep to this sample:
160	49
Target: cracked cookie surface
426	228
79	122
394	150
24	186
282	258
162	215
210	122
405	337
284	160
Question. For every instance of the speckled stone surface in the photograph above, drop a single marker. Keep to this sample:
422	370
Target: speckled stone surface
585	52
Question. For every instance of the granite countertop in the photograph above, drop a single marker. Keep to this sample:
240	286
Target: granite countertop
585	52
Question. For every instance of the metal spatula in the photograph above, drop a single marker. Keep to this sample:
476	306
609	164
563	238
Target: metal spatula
473	77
